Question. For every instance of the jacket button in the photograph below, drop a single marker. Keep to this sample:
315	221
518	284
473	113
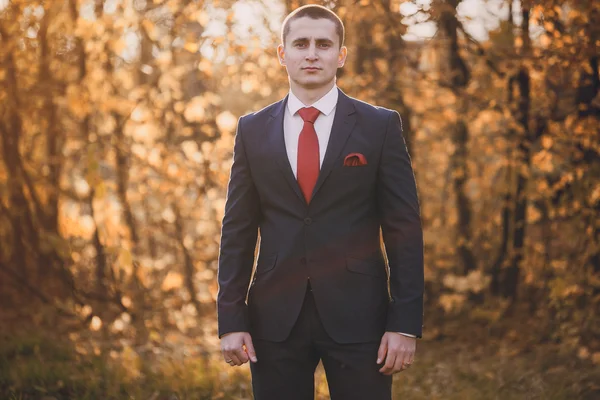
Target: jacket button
307	221
303	260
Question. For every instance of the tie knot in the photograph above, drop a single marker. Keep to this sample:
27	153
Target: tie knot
309	114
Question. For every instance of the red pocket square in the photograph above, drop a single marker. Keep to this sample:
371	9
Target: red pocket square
354	159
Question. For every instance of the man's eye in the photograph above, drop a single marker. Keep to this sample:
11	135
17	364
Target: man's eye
325	45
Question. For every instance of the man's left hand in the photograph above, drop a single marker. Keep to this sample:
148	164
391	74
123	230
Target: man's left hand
396	352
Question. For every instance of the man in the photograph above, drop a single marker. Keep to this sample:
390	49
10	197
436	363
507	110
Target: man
318	174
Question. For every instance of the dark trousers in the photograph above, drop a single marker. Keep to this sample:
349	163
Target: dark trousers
285	370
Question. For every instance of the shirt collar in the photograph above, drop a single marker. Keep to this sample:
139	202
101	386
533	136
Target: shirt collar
325	104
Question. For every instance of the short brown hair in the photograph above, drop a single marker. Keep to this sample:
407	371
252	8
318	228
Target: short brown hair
313	11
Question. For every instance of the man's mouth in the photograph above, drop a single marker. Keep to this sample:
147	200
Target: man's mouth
311	69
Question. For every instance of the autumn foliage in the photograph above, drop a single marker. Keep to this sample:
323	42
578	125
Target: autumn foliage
116	132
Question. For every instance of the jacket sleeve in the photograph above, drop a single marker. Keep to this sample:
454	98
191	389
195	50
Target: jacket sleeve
402	232
238	242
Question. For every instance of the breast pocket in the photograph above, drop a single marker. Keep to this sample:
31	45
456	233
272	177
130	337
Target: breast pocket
366	154
355	170
356	175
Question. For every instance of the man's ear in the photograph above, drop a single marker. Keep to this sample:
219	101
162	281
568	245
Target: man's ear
342	56
281	54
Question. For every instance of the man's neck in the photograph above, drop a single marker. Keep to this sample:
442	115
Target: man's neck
310	96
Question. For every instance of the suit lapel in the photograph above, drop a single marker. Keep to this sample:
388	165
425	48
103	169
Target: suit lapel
343	123
277	142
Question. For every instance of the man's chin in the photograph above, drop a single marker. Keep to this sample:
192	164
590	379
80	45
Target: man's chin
313	84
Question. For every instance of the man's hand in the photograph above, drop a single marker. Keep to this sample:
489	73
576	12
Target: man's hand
237	347
398	352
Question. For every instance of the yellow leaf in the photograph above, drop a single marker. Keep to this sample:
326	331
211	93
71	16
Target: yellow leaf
518	42
150	29
192	47
96	323
226	121
119	45
543	161
77	101
545	41
126	301
100	190
202	17
173	280
583	353
451	302
594	195
533	215
147	133
205	66
547	142
194	111
125	259
141	114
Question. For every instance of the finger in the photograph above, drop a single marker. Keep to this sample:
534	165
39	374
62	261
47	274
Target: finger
241	355
228	356
236	361
389	363
231	353
250	349
382	349
399	364
410	358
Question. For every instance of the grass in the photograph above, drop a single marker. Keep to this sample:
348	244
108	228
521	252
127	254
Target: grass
455	370
34	366
468	365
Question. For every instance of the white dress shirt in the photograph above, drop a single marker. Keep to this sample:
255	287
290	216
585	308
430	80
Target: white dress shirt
293	123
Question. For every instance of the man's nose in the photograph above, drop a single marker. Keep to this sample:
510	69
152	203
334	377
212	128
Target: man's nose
312	52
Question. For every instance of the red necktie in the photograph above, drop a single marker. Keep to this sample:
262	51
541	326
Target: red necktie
308	152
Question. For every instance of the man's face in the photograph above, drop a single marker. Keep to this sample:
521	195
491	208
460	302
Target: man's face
311	53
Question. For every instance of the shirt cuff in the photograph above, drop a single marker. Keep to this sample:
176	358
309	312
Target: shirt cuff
406	334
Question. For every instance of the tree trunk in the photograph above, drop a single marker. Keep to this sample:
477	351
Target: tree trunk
459	79
10	133
53	132
188	265
520	86
506	213
463	205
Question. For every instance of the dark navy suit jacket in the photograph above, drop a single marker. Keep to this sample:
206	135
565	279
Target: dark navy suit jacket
334	240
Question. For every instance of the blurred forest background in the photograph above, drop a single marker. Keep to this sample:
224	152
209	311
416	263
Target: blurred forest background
117	120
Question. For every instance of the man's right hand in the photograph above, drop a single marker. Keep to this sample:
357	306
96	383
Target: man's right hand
237	347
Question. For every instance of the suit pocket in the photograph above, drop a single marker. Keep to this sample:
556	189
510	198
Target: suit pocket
366	267
354	168
354	171
265	263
